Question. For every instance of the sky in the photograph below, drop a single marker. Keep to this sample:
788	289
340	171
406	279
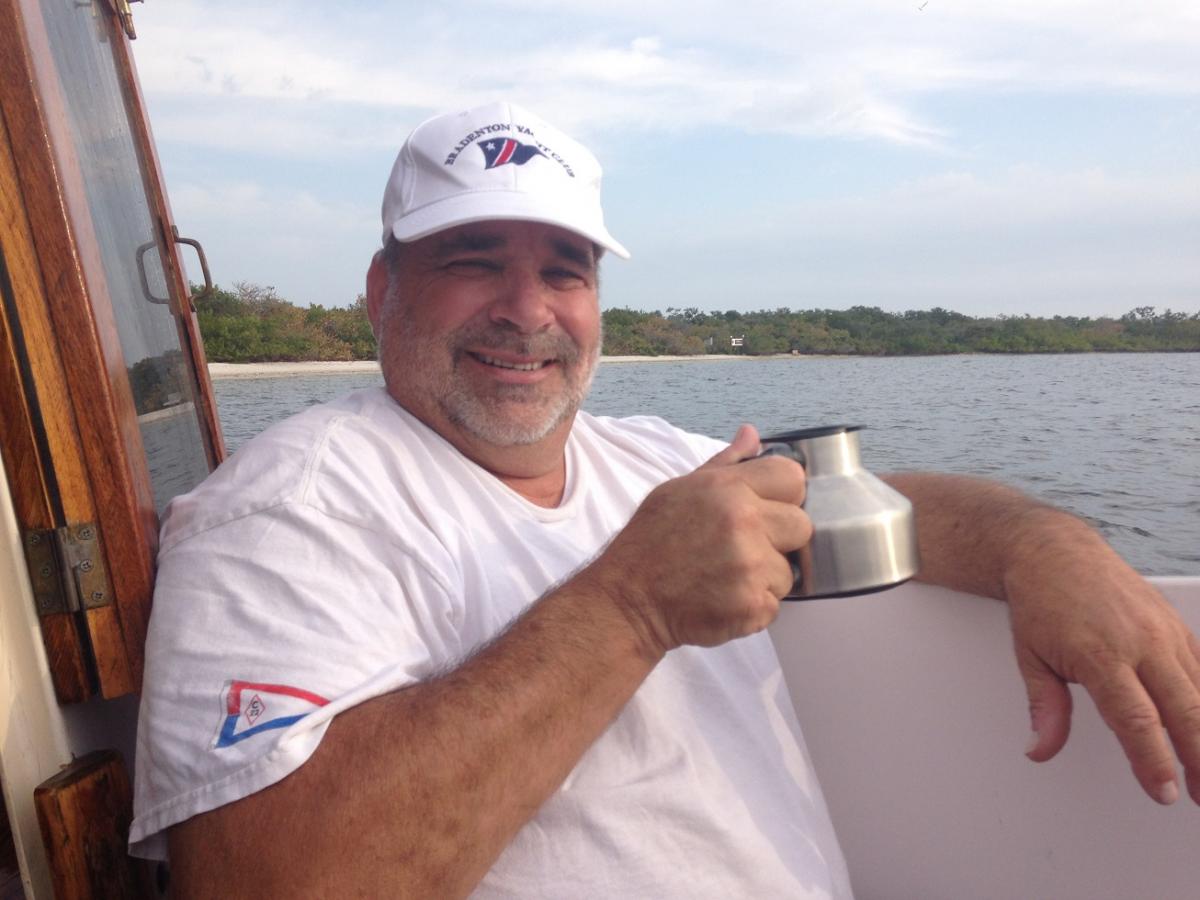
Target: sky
1027	157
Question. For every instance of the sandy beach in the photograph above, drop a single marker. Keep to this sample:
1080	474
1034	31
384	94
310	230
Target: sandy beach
367	367
285	369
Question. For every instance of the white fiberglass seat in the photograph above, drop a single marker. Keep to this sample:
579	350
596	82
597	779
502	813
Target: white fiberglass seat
915	717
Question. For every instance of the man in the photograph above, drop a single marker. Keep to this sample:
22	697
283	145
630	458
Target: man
458	635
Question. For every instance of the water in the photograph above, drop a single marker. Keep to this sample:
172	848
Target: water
1112	438
171	437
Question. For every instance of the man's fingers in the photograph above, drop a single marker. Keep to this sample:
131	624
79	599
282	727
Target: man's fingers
1190	660
1049	709
781	577
1129	711
745	445
1173	684
788	526
772	478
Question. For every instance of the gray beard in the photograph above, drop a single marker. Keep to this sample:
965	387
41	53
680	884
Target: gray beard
472	415
476	414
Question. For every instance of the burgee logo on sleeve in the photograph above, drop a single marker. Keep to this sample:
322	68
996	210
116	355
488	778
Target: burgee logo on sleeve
249	708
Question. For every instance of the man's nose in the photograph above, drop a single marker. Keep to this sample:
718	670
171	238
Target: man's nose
524	302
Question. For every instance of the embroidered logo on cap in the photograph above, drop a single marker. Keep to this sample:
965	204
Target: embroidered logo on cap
506	150
499	150
251	709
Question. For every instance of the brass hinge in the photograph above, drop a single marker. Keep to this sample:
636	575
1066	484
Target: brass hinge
66	569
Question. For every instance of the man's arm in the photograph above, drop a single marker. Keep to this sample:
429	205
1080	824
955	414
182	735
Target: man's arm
1079	614
417	792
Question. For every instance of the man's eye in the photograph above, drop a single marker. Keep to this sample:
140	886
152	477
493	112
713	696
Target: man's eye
563	277
472	266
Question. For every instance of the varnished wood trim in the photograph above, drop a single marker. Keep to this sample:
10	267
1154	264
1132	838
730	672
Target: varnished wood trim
84	813
189	326
36	422
81	312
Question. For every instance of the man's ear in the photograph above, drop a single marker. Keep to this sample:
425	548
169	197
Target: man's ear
377	284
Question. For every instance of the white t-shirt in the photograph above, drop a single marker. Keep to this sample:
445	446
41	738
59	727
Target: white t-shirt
350	551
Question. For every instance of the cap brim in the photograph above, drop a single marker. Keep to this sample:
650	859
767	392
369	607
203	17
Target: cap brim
484	206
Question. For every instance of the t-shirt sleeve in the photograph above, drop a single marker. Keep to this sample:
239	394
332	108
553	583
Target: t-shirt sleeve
263	629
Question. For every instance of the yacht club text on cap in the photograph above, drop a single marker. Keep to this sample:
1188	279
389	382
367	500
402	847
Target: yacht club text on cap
505	126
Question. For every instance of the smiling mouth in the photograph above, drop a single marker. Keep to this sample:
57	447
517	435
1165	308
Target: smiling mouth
503	364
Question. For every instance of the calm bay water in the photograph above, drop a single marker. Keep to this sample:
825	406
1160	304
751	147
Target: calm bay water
1112	438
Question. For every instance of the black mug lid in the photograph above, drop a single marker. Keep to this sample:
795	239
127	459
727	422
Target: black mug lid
805	434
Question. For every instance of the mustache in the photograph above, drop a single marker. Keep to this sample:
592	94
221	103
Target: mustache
545	344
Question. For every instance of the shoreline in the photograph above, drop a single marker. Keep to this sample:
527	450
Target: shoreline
219	370
222	371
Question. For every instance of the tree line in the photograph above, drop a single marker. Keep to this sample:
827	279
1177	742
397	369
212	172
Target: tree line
252	323
870	331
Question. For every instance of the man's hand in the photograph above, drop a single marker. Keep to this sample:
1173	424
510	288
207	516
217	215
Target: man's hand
1080	614
703	560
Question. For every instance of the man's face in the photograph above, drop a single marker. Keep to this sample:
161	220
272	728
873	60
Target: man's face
491	331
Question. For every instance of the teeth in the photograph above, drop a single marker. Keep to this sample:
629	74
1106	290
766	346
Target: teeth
520	367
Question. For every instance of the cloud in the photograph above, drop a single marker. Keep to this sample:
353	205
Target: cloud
639	83
914	193
311	249
851	70
1028	239
270	128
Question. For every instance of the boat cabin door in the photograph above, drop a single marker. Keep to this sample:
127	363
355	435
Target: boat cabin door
106	413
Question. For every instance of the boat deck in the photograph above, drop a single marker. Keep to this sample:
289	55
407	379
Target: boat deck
915	717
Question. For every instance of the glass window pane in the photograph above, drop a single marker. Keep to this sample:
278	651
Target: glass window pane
159	372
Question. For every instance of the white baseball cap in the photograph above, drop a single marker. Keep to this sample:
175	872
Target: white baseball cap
497	161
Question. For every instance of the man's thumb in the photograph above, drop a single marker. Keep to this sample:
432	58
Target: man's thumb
745	445
1049	710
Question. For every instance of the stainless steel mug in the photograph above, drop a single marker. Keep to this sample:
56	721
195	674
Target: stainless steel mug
864	538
